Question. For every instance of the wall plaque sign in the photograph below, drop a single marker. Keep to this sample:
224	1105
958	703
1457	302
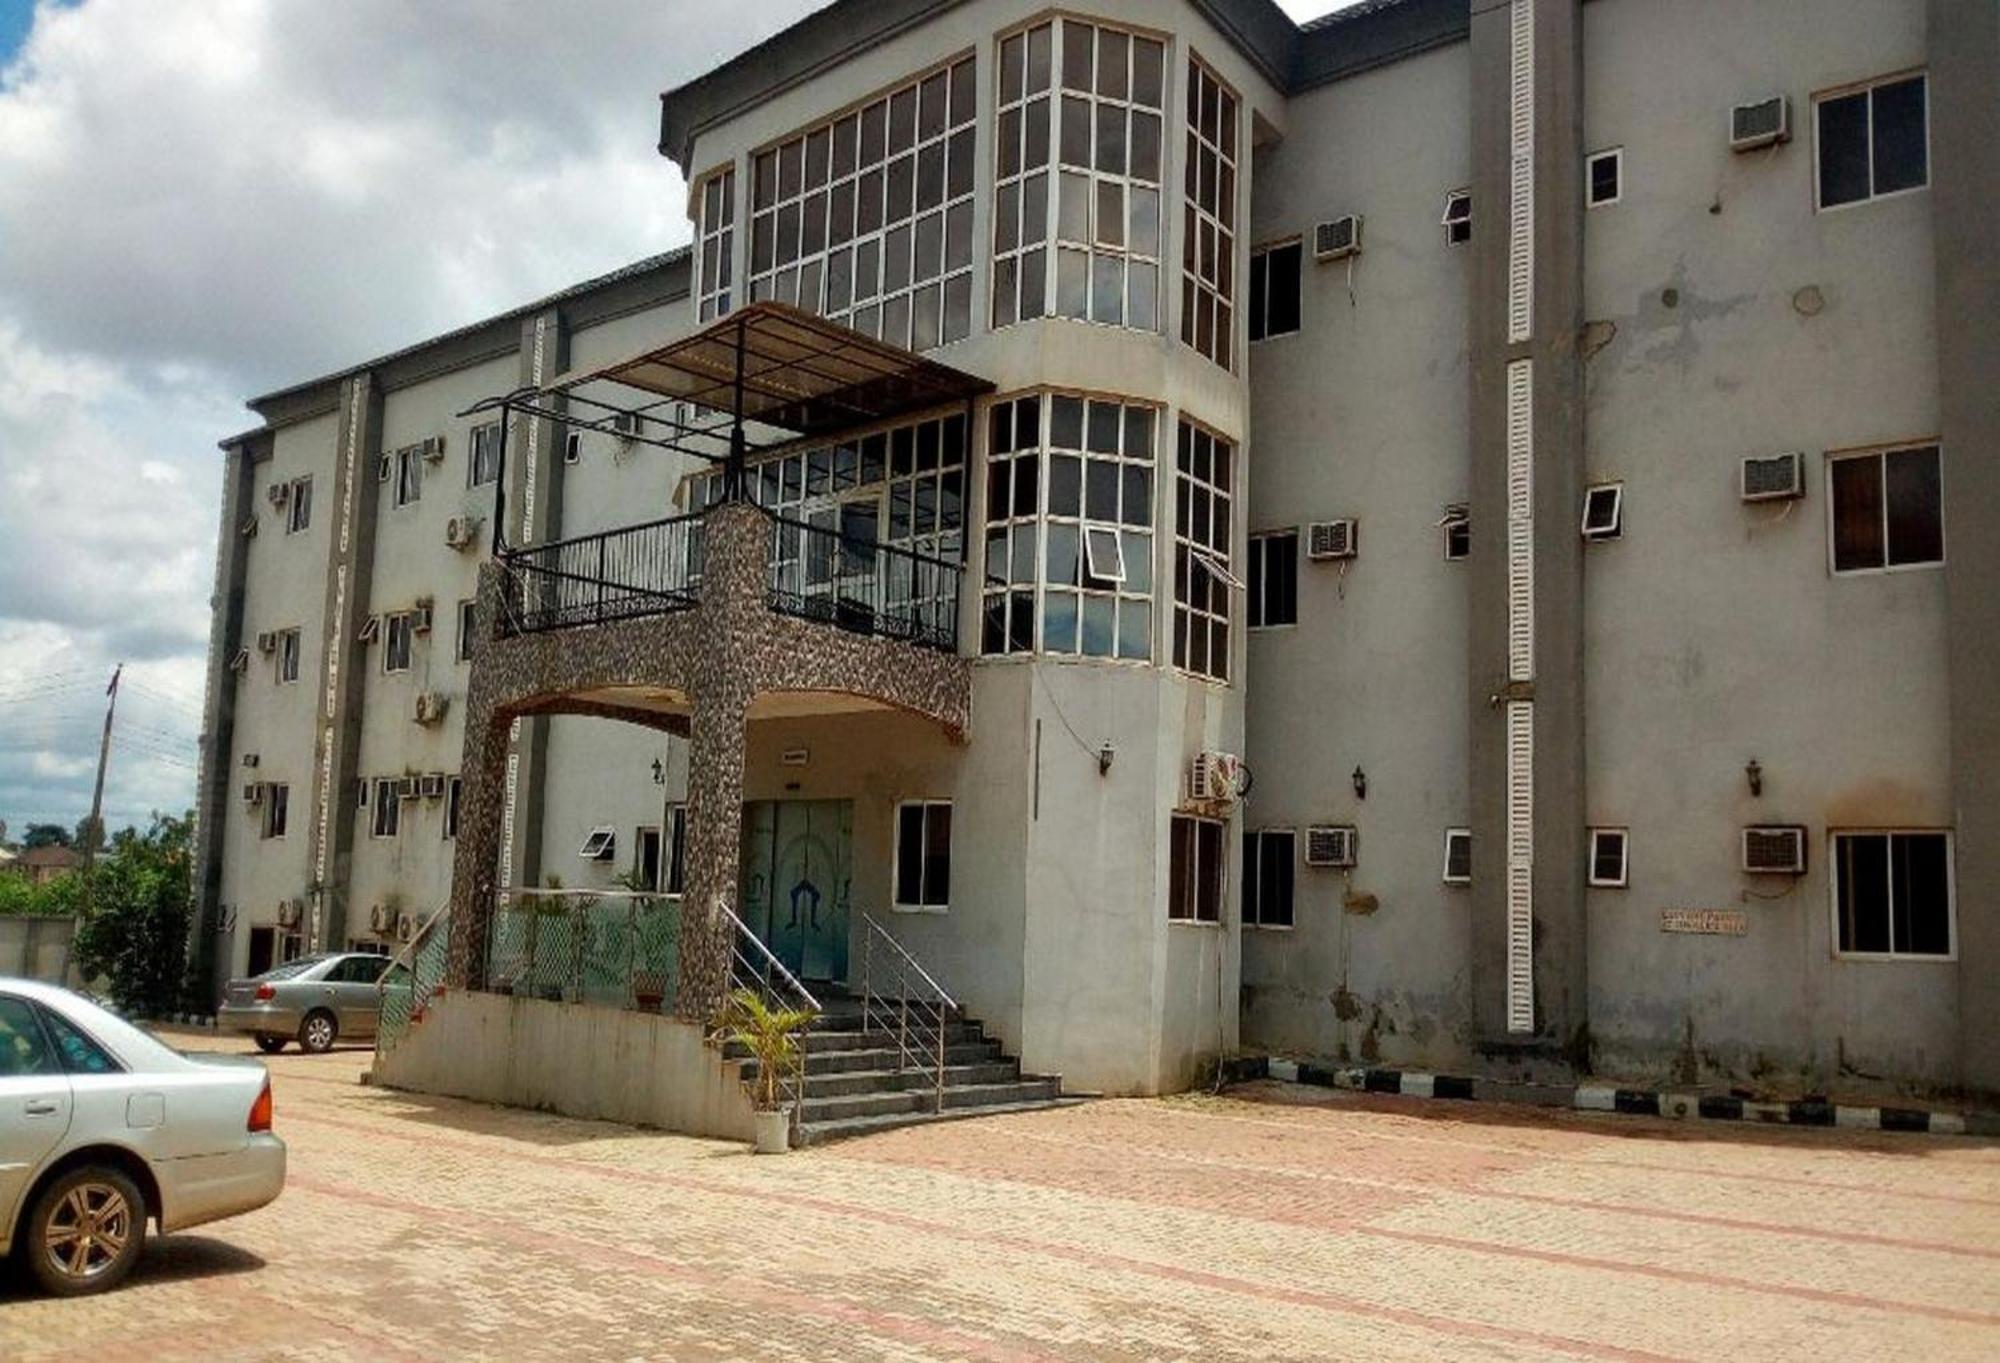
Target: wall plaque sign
1709	922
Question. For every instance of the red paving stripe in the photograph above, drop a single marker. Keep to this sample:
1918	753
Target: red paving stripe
761	1292
1431	1240
1469	1189
1590	1141
906	1327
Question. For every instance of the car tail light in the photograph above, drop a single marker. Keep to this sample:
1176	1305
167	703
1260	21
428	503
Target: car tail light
260	1111
265	991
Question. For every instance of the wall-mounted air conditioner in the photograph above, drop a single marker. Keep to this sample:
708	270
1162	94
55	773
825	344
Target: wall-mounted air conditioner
1330	845
1338	239
279	494
431	786
430	709
461	531
1774	477
251	759
1332	539
267	641
1760	123
420	616
290	912
1774	849
433	448
1215	776
381	919
253	794
406	788
406	927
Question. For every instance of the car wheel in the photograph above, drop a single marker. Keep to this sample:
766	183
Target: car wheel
85	1231
271	1045
317	1032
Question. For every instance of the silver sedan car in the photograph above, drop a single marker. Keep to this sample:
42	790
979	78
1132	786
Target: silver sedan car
315	1000
103	1127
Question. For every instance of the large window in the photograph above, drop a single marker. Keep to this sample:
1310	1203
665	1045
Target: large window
867	219
1887	509
1274	579
1078	157
387	815
277	809
409	474
288	655
1208	247
299	505
1069	527
1892	893
484	465
1202	575
1873	141
1274	290
1268	863
1195	870
923	855
718	239
398	631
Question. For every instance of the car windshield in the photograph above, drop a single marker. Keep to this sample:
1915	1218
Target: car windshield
290	969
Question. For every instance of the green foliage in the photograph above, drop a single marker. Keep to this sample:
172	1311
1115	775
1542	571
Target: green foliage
45	835
772	1034
136	903
61	896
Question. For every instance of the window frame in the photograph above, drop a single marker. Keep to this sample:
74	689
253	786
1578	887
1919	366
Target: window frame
1451	836
1453	224
657	835
1880	454
454	806
385	814
1252	888
1256	320
1203	554
298	505
1616	531
1868	87
1225	221
1457	517
1623	881
1197	822
1833	881
923	904
393	623
290	651
482	450
1615	155
1256	607
407	481
275	818
715	271
468	625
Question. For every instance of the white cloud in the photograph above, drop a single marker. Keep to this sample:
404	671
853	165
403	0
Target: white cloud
202	199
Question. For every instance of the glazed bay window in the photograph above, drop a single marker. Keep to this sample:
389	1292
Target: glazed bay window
717	258
1893	893
1887	508
1268	863
1208	243
1069	527
1195	870
1274	579
867	219
1077	176
923	855
1203	578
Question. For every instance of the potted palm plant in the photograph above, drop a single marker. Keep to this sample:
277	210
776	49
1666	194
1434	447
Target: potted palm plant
772	1037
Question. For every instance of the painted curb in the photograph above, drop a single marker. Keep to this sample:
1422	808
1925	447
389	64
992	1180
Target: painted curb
1672	1104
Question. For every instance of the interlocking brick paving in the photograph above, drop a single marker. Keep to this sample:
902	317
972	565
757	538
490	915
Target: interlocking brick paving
1272	1222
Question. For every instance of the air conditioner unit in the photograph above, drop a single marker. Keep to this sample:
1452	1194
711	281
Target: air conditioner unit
433	448
240	661
1330	845
1337	239
406	927
370	627
430	708
407	787
290	911
1774	477
626	424
253	794
1761	123
1215	776
1774	849
461	531
420	616
279	493
1332	539
431	785
267	641
381	919
250	759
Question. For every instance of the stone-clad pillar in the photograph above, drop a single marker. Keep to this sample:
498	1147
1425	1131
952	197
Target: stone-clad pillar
482	798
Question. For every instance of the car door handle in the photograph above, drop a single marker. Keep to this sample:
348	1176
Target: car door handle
41	1107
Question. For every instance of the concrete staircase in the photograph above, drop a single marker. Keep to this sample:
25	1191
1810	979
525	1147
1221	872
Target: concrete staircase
854	1085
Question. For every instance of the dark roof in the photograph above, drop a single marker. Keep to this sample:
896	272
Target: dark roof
801	373
53	855
1292	58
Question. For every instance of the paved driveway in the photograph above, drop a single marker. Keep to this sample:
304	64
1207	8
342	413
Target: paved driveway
1273	1223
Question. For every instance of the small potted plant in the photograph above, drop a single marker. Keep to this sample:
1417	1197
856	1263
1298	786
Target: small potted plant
772	1037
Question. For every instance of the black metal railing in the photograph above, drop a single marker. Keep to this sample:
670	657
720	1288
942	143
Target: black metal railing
635	570
836	574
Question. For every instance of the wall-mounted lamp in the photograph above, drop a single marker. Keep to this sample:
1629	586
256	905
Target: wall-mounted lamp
1360	783
1104	756
1753	772
659	772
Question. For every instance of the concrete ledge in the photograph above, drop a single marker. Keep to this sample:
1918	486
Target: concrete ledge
582	1061
1631	1102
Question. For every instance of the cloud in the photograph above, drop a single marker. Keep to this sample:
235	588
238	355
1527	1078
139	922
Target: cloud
203	199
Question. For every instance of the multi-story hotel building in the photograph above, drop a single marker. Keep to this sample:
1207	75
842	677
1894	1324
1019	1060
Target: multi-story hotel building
1459	535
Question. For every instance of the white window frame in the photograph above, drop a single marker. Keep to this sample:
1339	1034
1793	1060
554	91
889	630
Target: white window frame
1451	836
1193	919
385	820
1880	454
1857	87
1617	527
277	815
1623	880
298	520
394	623
898	903
478	451
467	623
714	250
1210	294
1615	155
1833	837
409	475
1200	552
1451	219
454	797
1114	571
1260	556
1245	910
291	646
1251	322
599	844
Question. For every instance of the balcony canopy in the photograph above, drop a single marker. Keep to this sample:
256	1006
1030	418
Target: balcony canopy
777	366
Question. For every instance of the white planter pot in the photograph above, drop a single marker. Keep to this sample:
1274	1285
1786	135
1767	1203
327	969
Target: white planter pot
774	1131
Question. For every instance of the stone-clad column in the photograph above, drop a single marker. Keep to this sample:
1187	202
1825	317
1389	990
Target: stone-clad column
482	773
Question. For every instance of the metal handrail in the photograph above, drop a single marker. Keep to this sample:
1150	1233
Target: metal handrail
929	1032
893	592
420	992
770	960
913	962
514	550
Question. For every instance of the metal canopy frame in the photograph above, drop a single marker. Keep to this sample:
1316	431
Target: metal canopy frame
769	365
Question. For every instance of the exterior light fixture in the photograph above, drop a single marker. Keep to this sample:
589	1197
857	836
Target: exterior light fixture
1104	756
1360	783
659	772
1753	772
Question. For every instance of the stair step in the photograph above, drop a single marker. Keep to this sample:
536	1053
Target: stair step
877	1052
821	1132
844	1082
895	1101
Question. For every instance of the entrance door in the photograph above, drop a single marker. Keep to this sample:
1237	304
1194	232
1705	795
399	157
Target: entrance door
796	863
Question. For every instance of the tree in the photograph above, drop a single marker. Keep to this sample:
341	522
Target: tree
45	835
136	903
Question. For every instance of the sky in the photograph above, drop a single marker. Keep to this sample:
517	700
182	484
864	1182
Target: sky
201	200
